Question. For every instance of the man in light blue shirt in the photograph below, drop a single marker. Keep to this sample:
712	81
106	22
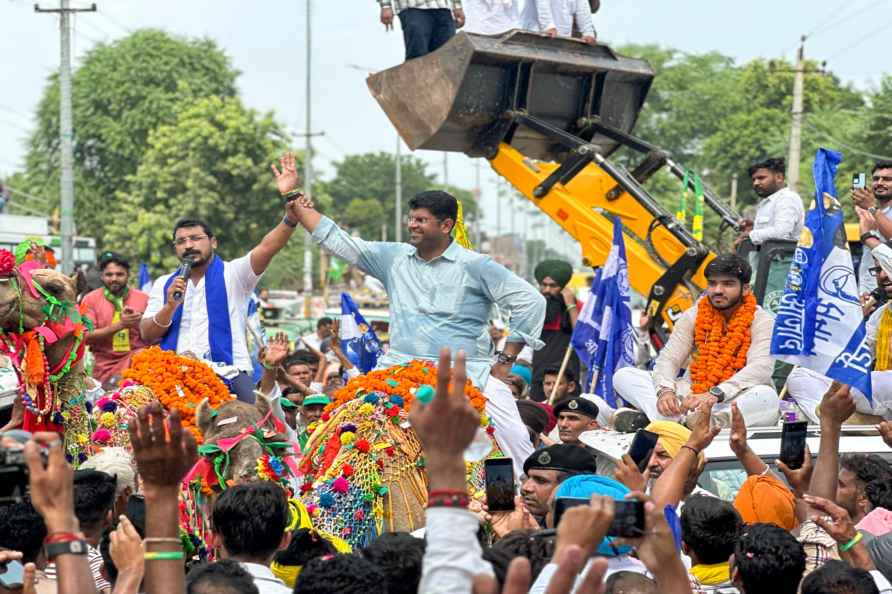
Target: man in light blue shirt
441	294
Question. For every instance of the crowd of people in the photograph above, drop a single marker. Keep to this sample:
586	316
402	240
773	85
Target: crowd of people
581	521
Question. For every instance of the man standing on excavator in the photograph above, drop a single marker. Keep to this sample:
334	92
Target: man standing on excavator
780	214
441	294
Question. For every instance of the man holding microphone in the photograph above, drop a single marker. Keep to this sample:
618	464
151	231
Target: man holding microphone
202	308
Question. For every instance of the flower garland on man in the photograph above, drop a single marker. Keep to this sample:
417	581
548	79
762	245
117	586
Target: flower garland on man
723	341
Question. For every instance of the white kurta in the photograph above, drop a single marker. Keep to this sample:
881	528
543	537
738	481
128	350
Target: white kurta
491	17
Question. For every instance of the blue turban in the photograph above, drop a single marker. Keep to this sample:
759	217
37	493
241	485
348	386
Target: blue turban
523	372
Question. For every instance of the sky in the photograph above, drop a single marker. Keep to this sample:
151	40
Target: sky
266	41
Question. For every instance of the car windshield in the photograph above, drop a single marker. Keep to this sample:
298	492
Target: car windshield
724	477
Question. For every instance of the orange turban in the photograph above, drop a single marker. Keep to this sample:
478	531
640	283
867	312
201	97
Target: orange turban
765	498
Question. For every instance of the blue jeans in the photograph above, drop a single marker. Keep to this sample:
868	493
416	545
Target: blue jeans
426	29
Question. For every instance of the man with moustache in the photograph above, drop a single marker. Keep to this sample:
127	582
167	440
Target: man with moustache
877	200
206	315
780	213
115	310
561	311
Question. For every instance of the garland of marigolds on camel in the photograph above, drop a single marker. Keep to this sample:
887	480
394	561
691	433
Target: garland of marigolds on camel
720	347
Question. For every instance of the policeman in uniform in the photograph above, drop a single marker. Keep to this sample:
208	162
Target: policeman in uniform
547	468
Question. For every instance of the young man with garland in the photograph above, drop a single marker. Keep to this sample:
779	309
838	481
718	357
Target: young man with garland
115	310
723	342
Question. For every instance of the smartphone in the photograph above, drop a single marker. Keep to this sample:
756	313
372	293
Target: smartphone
859	181
499	484
562	504
642	448
792	450
628	518
14	576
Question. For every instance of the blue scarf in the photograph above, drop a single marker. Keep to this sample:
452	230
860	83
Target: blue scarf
219	328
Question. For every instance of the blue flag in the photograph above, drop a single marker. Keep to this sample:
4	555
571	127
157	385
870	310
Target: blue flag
358	340
604	338
819	323
144	281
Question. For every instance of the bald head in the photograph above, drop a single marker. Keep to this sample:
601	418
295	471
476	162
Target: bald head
629	582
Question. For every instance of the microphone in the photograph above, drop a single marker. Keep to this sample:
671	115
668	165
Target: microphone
185	271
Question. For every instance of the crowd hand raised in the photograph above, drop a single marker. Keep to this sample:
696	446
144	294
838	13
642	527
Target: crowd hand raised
570	562
835	520
287	178
628	474
866	221
837	405
863	198
164	452
702	431
800	478
127	550
668	405
276	350
656	548
585	526
885	429
737	440
444	443
52	487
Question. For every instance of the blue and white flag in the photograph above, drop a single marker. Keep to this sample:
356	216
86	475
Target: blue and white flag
819	323
358	340
604	338
144	281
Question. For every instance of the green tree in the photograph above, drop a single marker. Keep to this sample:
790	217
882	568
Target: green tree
121	93
211	163
877	133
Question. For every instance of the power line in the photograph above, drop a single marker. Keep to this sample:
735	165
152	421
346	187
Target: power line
882	28
844	145
845	19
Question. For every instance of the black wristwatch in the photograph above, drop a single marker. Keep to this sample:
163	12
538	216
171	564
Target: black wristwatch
874	234
718	393
504	359
289	222
69	547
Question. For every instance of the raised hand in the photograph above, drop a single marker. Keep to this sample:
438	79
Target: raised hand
287	178
52	486
737	439
702	431
276	350
837	404
800	478
835	520
863	198
628	474
164	451
585	526
127	552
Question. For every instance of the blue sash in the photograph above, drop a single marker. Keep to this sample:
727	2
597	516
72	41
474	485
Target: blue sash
219	327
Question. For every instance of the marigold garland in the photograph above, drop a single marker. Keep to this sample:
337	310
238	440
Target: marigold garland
178	382
402	381
721	348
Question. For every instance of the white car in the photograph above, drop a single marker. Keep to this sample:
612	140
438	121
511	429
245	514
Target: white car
723	474
9	387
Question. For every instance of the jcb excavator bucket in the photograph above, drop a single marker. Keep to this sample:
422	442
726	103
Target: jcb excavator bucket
458	97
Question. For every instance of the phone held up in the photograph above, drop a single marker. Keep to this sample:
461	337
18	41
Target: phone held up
499	478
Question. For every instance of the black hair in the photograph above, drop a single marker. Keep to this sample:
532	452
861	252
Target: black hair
866	468
251	518
186	223
838	577
326	321
729	265
709	526
344	574
881	165
769	559
223	577
775	164
300	358
113	258
398	555
305	545
442	205
136	513
94	496
536	545
879	492
569	376
629	582
22	529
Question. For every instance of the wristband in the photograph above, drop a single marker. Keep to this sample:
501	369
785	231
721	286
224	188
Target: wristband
293	194
571	307
172	540
857	538
289	222
164	556
692	448
69	547
448	498
55	537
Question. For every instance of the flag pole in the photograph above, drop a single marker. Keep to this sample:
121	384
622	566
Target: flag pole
560	376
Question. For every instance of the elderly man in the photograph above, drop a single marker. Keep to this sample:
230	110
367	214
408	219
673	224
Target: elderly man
561	311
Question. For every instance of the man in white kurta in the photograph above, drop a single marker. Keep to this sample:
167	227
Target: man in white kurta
491	17
557	17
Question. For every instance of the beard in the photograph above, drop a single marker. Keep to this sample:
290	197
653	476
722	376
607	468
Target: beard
554	306
729	305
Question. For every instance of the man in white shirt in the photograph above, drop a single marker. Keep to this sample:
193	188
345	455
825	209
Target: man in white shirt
206	315
323	331
877	200
780	213
491	17
557	17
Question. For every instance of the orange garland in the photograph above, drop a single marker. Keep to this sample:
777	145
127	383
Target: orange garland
407	377
164	371
720	350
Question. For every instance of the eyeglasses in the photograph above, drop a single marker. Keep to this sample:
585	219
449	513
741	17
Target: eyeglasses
418	220
192	238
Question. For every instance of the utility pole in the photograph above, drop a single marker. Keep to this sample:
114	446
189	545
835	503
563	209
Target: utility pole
66	148
796	127
734	191
445	168
398	211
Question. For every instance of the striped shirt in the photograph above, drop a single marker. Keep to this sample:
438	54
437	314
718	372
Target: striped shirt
400	5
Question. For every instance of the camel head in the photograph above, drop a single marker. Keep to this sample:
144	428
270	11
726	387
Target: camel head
17	299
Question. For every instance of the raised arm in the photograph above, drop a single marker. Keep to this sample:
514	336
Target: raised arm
836	406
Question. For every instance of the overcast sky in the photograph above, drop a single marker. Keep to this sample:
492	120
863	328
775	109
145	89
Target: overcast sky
266	42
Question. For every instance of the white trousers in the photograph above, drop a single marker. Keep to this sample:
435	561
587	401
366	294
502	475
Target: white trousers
758	404
808	387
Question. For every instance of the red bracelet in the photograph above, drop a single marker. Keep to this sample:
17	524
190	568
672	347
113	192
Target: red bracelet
448	498
438	492
57	537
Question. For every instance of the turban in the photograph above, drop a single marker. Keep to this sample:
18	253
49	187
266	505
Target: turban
533	416
559	271
765	499
583	486
523	372
672	436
